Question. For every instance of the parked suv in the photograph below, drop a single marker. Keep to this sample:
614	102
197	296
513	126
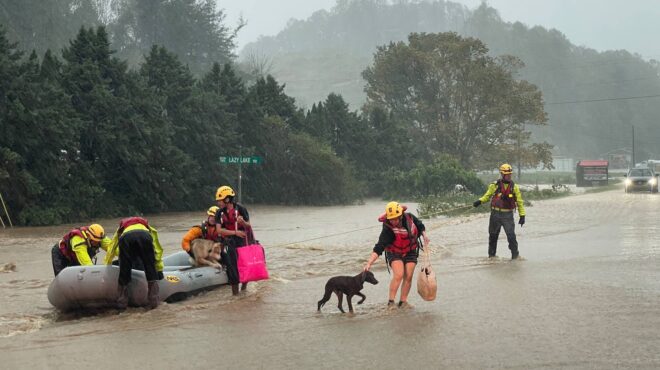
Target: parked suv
643	179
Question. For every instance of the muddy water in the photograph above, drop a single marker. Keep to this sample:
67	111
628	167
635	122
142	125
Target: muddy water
586	295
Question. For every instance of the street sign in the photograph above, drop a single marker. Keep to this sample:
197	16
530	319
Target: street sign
241	160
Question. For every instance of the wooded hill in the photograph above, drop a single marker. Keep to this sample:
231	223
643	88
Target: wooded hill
586	92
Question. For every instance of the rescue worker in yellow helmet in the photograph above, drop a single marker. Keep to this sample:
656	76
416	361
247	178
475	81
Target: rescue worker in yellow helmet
233	223
136	243
78	247
399	239
206	230
506	198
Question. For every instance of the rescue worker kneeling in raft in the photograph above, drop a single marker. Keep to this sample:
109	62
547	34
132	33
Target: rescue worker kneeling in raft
207	230
399	240
78	247
505	198
136	240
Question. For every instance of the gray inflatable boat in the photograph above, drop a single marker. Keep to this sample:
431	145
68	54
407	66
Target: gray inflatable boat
80	287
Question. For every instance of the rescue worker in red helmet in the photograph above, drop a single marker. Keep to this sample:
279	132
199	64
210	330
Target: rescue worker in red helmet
399	240
233	223
78	247
506	198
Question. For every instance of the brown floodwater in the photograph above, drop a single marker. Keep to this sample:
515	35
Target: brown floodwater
586	294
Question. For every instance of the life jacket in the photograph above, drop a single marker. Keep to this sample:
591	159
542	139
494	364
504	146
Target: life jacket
405	239
209	233
228	219
126	222
504	198
67	249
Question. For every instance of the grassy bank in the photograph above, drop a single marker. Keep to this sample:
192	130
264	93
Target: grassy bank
460	203
534	178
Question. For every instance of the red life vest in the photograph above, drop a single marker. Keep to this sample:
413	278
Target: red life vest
404	241
504	198
126	222
67	249
209	233
228	219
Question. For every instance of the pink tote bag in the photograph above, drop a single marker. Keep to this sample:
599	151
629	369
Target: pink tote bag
252	262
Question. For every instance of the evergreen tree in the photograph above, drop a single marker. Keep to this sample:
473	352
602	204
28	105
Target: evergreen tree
191	29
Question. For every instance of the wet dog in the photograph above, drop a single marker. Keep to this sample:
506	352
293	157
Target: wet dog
206	252
349	285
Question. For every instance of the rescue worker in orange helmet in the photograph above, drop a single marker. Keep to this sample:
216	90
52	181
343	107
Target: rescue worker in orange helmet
78	247
399	239
206	230
506	198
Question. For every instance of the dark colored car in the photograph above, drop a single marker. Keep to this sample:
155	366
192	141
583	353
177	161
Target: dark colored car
641	179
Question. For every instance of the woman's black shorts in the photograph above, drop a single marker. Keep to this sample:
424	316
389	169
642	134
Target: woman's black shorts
409	257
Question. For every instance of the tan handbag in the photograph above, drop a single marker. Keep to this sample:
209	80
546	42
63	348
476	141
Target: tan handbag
427	287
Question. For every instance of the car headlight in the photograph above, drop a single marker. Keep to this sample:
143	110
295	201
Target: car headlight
653	181
628	182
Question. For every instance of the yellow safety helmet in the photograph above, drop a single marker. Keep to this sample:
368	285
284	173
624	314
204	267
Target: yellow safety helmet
224	192
212	211
95	232
506	169
393	210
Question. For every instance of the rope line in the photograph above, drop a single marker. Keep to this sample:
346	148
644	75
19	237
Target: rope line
364	228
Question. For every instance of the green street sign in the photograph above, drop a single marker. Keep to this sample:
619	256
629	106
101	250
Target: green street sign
241	160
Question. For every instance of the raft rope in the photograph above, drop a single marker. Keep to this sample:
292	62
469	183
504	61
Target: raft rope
466	207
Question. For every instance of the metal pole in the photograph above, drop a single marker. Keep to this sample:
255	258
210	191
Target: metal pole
6	212
240	174
633	147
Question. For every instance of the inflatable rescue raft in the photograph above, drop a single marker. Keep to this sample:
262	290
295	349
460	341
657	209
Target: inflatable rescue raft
80	287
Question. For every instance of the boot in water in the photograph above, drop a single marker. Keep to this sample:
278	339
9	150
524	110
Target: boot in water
243	286
152	296
122	297
234	289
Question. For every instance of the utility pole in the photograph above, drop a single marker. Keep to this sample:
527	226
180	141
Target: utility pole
240	174
633	146
519	155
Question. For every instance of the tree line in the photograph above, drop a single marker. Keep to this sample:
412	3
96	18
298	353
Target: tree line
86	133
330	49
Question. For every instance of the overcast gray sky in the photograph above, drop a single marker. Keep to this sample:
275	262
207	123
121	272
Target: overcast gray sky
599	24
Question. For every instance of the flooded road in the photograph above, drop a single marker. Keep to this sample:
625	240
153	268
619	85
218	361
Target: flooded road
585	295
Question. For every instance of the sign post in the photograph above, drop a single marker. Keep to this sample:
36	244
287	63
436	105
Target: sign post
240	160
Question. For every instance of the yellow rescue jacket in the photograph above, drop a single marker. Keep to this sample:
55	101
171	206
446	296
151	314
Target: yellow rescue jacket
113	250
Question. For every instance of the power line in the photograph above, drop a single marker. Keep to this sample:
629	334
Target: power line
602	100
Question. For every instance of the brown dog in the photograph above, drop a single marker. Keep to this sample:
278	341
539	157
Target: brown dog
349	285
206	252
